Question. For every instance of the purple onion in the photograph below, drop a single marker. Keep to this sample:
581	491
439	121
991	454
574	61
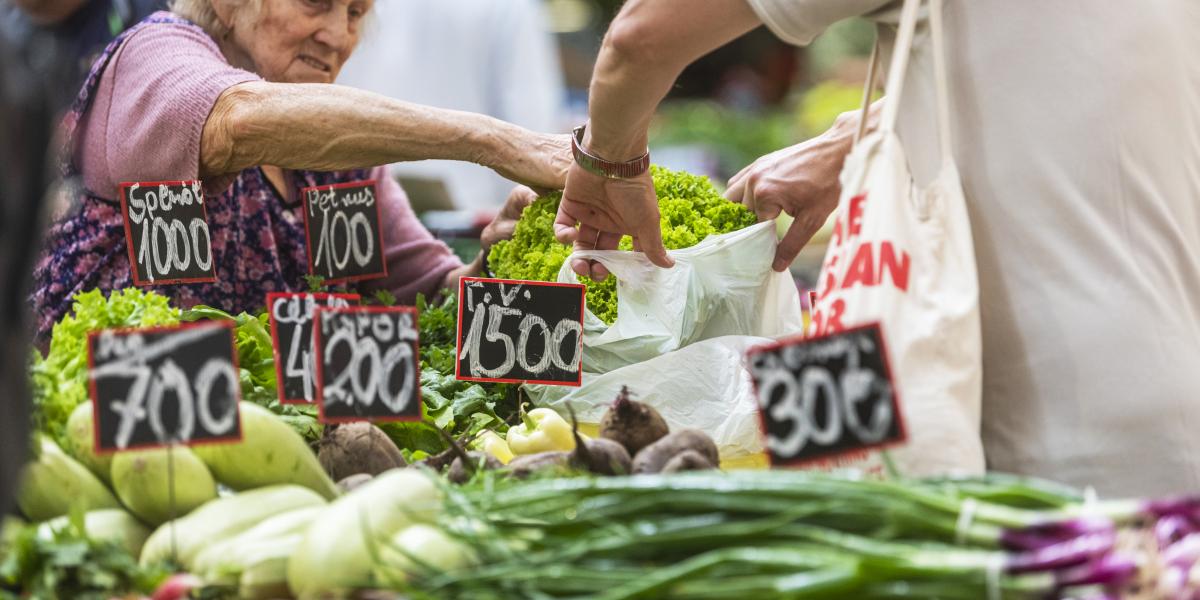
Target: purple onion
1108	570
1040	536
1063	554
1184	552
1186	506
1171	529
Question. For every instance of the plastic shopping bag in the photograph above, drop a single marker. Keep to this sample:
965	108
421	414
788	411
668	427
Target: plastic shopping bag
681	334
902	256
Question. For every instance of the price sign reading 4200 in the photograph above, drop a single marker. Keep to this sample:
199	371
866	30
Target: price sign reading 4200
160	386
292	340
341	223
821	397
520	331
367	367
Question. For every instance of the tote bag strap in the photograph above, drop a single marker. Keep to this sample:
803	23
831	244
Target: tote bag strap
898	69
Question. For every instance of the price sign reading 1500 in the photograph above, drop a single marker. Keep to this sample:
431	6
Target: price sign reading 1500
826	396
171	385
520	331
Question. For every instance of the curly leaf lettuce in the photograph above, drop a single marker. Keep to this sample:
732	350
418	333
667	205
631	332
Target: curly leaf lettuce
690	209
60	378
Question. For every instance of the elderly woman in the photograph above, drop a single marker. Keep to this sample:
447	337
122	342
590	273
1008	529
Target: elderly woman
239	94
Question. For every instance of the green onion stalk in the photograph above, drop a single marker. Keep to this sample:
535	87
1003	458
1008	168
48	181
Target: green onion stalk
793	534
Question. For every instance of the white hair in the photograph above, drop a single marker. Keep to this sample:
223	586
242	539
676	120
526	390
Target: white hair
202	13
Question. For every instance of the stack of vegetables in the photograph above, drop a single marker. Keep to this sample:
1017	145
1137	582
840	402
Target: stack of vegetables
757	534
529	507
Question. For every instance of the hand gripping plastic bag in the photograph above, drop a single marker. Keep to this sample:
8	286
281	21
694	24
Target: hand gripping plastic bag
902	255
681	334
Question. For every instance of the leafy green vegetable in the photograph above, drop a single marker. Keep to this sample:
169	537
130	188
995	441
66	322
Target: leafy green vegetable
68	564
60	378
459	407
690	208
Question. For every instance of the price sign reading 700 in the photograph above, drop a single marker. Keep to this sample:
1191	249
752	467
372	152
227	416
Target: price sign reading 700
826	396
161	386
520	331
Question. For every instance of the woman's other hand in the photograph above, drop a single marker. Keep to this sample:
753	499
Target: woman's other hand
501	227
800	180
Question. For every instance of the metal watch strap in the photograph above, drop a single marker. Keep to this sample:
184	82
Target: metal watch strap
606	168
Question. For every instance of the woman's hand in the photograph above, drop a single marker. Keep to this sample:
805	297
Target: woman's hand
800	180
501	227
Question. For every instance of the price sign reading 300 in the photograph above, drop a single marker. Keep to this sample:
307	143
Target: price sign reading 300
520	331
826	396
171	385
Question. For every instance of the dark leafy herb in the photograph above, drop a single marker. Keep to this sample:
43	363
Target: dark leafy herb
67	564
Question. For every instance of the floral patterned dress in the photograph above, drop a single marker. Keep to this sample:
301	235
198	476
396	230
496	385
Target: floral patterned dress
257	235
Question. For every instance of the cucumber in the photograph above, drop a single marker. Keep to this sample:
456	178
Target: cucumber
141	480
54	483
223	518
79	443
270	453
108	524
335	558
223	561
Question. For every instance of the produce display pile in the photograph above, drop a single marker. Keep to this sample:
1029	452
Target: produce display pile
778	534
489	497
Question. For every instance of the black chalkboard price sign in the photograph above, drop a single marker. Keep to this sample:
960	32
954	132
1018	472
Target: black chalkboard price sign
161	386
166	231
341	227
367	367
520	331
291	317
827	396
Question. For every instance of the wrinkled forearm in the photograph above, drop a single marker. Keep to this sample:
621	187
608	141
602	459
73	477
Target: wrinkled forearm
326	127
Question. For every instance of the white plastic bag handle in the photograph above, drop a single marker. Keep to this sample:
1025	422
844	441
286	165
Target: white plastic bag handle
625	265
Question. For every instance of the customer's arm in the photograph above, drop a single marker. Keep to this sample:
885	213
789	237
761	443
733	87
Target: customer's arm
330	127
647	46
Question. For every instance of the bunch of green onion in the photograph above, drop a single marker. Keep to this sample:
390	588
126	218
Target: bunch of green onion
792	534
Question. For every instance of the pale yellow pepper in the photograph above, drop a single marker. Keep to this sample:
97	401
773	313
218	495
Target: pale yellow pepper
541	430
491	442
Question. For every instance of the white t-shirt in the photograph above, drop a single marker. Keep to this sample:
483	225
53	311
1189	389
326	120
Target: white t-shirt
485	56
1077	133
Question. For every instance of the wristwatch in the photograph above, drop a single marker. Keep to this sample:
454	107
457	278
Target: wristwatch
606	168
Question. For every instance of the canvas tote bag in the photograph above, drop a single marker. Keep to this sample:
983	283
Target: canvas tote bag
901	255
